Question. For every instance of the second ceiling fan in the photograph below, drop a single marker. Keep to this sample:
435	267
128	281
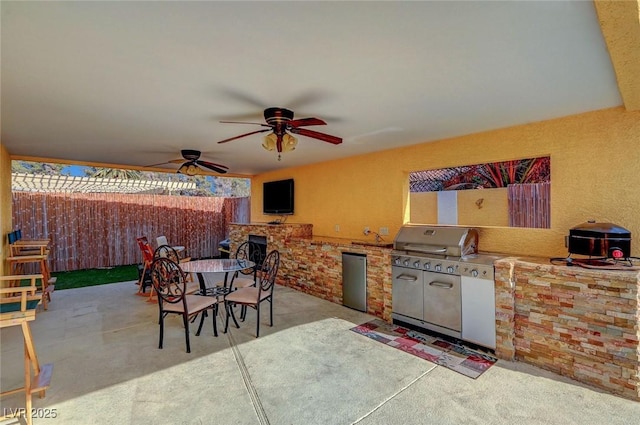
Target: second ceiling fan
281	123
191	163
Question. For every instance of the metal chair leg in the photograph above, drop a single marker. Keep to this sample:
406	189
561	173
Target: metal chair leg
226	322
229	311
202	316
161	321
233	316
185	320
215	317
258	320
270	311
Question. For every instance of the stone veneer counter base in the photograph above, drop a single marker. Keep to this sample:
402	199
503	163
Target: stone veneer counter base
577	322
313	264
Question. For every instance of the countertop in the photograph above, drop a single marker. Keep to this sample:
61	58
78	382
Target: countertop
627	271
347	242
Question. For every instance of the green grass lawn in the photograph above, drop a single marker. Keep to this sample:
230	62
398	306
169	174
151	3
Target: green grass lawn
92	277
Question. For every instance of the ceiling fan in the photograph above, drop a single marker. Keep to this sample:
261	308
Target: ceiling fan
280	122
191	164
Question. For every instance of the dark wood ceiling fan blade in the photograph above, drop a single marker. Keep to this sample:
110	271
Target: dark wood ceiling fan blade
243	122
241	96
317	135
305	99
162	163
218	168
207	163
250	116
173	161
303	122
244	135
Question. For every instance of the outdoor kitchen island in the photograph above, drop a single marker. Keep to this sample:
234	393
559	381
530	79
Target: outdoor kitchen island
578	322
313	264
574	321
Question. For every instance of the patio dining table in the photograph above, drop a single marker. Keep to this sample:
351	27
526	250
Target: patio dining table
216	265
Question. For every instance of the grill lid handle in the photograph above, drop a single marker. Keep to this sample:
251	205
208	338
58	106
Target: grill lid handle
425	249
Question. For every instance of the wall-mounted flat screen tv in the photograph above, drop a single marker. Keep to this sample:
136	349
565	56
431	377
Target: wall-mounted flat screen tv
277	197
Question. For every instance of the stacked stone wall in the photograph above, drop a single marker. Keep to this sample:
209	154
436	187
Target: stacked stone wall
313	265
577	322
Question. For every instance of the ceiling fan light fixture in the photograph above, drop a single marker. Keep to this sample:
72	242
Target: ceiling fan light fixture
289	143
189	169
280	123
269	141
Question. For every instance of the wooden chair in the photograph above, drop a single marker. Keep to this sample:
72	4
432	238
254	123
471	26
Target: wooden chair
18	307
17	264
170	285
31	252
254	296
147	258
29	248
21	246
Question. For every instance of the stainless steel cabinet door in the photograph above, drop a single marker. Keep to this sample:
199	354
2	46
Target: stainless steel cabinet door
354	281
442	304
407	292
479	311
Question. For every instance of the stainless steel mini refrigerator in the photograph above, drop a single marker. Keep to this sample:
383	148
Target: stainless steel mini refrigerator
354	281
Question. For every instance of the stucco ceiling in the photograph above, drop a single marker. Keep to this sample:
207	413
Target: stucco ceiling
132	83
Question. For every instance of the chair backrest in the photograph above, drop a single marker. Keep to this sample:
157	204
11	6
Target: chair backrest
168	280
145	247
18	303
269	270
161	240
249	251
166	251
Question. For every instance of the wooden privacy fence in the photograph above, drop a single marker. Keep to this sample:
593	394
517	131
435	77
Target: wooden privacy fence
530	205
91	230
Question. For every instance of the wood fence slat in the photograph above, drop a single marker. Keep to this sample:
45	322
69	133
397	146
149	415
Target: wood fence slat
529	205
90	230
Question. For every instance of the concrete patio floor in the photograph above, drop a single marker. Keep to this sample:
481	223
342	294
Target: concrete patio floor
307	369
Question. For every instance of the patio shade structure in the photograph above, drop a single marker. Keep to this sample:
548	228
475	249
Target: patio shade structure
45	183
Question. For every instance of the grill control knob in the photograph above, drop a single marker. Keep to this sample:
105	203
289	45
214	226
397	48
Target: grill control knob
450	269
396	260
427	265
416	264
474	273
438	267
406	262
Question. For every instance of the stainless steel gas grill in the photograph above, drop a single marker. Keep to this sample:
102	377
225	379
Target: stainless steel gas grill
429	264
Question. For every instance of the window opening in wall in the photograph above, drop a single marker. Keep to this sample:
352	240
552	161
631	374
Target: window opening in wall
514	193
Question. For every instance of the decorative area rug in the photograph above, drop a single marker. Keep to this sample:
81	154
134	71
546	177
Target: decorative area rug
453	356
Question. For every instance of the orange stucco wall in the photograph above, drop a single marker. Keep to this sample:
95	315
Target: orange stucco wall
493	208
595	174
5	203
423	207
479	207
